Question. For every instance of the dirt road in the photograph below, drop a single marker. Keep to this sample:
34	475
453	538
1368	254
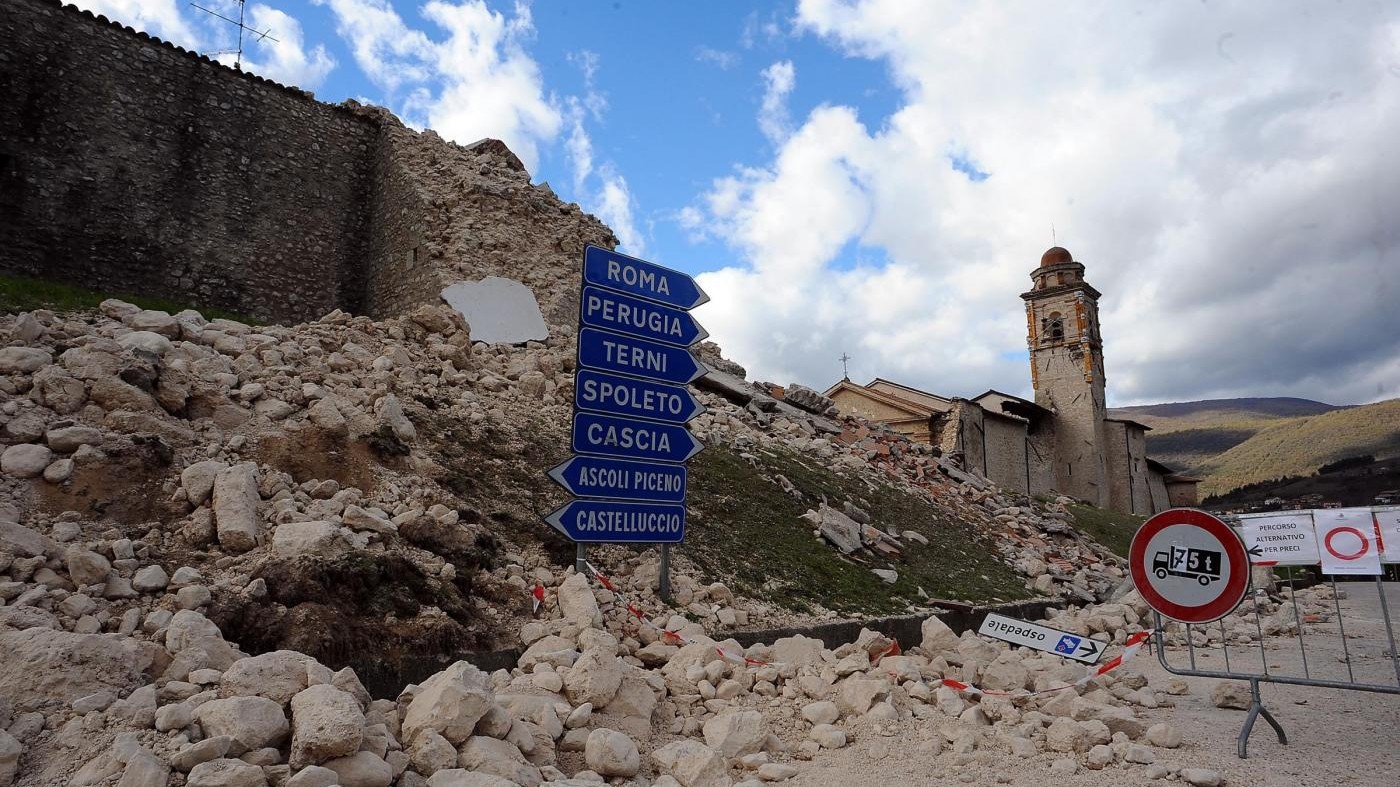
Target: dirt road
1336	737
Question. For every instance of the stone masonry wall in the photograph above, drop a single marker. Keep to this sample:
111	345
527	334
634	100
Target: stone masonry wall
135	166
1006	457
400	270
1128	474
129	165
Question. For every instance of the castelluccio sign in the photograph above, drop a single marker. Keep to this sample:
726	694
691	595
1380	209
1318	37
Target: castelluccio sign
631	403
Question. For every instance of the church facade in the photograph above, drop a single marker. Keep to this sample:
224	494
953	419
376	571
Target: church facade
1063	442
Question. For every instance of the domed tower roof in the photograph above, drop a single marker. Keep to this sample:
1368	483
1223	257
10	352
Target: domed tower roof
1055	255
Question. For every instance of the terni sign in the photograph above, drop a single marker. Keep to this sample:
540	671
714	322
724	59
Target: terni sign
631	403
1189	565
1043	638
618	354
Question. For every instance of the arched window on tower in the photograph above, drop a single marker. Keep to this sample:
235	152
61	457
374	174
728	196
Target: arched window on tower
1055	327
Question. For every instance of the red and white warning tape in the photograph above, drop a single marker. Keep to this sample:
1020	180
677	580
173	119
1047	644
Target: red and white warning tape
1131	647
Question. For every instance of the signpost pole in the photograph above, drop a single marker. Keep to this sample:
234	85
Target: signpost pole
581	558
665	574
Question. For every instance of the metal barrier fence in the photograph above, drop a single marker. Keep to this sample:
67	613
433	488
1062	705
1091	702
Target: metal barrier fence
1361	640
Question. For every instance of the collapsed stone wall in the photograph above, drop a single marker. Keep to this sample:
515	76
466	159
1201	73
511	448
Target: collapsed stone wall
133	166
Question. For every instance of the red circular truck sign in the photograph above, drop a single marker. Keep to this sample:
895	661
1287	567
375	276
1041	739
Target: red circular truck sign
1189	566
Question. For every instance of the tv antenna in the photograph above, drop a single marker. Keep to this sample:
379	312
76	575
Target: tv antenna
260	35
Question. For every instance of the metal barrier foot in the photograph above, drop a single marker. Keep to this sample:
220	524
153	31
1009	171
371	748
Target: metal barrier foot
1257	709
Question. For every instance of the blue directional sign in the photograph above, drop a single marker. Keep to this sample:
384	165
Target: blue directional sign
644	279
631	403
606	435
596	476
614	311
612	395
612	352
614	522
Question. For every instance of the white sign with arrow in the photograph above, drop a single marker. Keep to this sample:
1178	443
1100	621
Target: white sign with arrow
1038	637
1280	539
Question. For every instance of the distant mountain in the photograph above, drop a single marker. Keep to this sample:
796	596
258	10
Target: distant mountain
1264	407
1232	442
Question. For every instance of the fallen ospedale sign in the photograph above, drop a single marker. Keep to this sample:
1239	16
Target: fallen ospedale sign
1043	638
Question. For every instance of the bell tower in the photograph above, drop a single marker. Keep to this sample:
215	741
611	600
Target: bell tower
1066	349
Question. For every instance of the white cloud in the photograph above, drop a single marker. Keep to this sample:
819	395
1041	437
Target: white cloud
717	57
1234	212
579	146
160	18
474	81
779	79
614	205
285	59
387	51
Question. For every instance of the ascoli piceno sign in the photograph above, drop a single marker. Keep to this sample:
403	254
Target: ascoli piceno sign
1043	638
631	403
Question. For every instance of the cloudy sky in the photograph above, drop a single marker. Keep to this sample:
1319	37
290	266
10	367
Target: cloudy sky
879	177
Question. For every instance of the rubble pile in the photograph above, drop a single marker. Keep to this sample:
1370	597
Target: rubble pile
166	700
178	493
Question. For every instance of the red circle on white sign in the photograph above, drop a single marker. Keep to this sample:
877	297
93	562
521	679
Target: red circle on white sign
1189	565
1365	543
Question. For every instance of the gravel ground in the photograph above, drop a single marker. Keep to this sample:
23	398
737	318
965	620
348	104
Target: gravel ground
1336	737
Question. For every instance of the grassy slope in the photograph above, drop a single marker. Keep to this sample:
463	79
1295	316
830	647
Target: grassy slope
22	294
746	527
1111	529
1298	446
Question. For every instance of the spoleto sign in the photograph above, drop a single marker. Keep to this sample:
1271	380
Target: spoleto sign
631	403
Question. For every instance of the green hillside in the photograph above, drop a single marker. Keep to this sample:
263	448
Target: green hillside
1299	446
1233	442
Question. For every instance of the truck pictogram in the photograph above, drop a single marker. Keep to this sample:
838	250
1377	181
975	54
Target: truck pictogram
1202	565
